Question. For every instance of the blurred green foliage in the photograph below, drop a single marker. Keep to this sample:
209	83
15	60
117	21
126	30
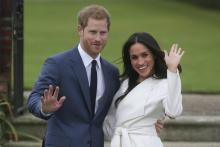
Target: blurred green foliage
50	27
210	4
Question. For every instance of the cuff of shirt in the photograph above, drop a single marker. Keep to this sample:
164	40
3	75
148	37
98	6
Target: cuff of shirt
173	73
44	114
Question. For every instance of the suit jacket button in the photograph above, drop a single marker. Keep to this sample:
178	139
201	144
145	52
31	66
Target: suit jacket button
88	142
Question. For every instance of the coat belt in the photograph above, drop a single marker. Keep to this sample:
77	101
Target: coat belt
121	136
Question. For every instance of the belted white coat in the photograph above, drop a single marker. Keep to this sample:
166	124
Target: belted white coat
132	123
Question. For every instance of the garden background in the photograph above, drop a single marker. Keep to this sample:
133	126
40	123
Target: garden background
50	27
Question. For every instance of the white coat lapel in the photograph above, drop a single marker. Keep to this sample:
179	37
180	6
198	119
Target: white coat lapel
132	106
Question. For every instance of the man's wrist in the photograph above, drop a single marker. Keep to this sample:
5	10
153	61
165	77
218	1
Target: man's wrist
43	113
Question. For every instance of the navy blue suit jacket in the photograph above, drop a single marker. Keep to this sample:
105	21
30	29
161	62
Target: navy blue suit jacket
72	125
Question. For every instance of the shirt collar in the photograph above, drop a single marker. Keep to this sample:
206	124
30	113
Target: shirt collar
87	59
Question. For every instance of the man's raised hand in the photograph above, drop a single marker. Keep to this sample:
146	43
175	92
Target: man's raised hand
50	102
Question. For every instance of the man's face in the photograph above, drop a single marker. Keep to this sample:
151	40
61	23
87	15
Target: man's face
93	37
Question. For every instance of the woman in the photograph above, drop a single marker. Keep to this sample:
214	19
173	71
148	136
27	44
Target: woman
150	90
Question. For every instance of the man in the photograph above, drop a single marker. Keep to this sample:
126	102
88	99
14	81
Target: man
64	93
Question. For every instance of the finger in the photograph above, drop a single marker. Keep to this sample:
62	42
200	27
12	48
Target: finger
50	91
175	48
166	53
158	131
42	99
160	124
182	53
172	48
56	92
61	100
179	51
45	93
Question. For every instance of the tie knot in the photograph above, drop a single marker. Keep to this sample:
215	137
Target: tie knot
94	62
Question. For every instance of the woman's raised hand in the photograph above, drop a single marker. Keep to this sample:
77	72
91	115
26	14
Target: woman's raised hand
173	58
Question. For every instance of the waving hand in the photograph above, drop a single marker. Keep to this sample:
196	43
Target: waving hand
173	58
50	101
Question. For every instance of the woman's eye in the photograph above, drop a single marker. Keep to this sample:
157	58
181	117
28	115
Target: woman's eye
144	55
133	57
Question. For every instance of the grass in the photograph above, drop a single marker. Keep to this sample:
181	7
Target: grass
50	28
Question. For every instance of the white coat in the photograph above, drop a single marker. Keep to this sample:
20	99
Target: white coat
132	124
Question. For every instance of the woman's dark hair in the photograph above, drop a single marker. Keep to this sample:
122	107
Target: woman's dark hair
160	67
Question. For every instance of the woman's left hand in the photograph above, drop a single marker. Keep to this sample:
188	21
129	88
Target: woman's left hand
173	58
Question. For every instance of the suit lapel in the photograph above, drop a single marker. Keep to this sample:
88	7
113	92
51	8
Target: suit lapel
80	71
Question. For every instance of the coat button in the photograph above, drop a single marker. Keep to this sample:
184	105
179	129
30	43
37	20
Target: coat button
89	142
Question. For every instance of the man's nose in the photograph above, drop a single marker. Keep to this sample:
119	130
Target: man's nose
98	37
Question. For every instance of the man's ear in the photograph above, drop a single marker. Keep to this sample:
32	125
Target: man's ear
79	29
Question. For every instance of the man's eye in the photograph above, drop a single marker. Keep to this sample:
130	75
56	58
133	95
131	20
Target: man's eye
103	33
93	32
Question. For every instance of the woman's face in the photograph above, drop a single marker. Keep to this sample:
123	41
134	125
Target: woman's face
142	61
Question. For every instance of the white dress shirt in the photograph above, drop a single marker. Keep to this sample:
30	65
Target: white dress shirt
87	61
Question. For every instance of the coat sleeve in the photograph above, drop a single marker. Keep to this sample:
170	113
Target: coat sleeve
48	76
173	100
